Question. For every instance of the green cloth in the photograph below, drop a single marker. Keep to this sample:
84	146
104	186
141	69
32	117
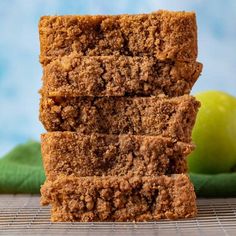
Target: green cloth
219	185
21	171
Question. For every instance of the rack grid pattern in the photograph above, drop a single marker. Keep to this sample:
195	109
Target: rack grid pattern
23	215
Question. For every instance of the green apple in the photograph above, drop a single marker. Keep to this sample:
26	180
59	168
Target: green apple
214	134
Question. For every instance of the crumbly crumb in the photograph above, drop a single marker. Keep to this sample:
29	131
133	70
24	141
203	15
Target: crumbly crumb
173	117
162	34
72	153
119	198
121	85
75	75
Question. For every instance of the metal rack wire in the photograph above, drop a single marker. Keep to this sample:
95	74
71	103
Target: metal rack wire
22	215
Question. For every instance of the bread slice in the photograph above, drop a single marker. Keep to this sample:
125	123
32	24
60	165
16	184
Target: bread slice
75	75
172	118
119	198
162	34
76	154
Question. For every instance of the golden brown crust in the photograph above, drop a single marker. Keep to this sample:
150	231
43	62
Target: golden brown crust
119	199
162	34
72	153
173	117
75	75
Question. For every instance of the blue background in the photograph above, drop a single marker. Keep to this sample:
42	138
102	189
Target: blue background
20	71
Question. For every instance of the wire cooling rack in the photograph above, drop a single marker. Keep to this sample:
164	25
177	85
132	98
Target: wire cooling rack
22	215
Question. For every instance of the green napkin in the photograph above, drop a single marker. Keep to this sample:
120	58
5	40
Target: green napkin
21	171
219	185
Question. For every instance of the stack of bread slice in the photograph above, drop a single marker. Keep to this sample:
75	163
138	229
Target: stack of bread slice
115	102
